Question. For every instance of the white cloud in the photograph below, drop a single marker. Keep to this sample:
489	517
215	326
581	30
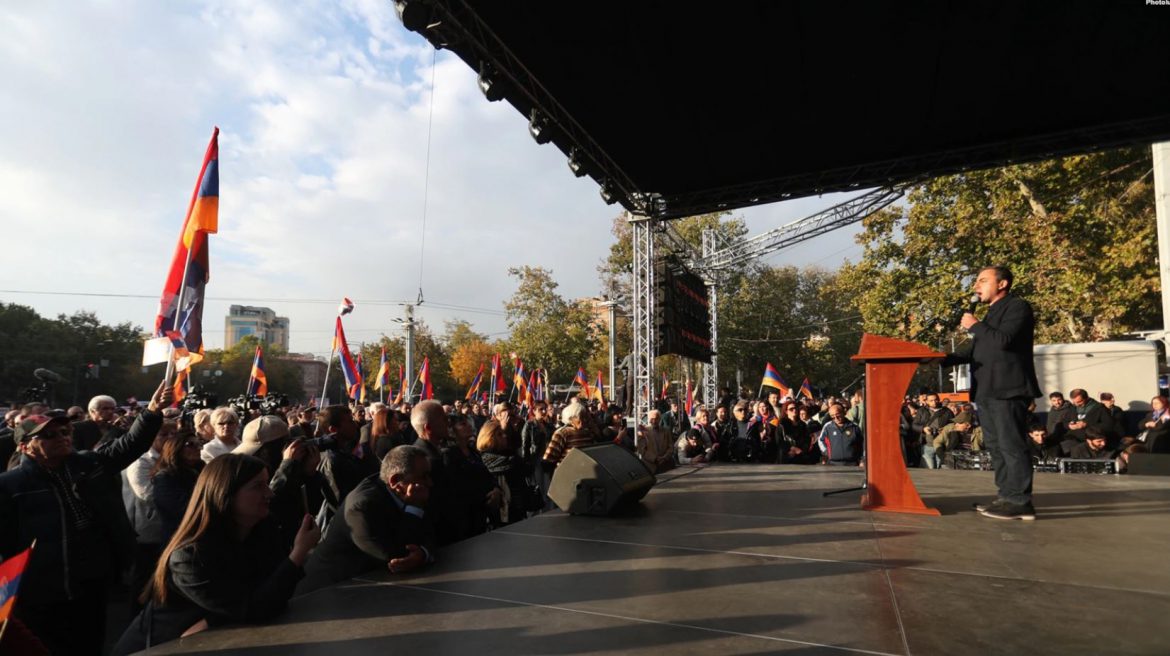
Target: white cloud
324	110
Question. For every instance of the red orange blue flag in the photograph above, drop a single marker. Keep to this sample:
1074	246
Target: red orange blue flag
180	307
599	390
581	380
475	383
665	385
772	379
349	368
383	380
258	379
689	403
11	571
805	389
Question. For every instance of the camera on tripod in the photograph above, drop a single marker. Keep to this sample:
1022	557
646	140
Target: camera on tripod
197	399
269	404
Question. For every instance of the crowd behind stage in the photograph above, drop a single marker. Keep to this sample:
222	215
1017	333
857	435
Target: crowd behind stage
214	518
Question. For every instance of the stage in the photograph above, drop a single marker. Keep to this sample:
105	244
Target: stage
752	559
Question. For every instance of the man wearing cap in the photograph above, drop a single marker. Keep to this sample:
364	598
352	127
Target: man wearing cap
70	502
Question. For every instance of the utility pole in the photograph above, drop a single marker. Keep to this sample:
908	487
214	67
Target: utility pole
409	324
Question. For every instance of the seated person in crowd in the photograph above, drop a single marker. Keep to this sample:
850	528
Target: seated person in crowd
1154	431
959	435
1116	414
226	563
1060	414
384	523
1093	448
743	445
693	447
654	444
1041	446
1090	415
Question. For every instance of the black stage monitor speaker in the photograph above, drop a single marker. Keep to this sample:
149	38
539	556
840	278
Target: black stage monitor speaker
594	480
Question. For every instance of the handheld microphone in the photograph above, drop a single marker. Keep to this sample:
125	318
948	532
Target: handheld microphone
972	303
46	376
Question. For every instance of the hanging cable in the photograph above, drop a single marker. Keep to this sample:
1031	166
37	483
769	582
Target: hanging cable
426	179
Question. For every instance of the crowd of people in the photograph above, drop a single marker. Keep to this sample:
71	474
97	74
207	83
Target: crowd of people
215	517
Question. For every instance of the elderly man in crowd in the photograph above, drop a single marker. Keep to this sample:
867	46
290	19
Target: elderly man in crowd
103	425
70	502
384	523
654	444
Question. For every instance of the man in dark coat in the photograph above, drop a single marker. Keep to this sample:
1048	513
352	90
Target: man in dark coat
1090	415
1003	384
1060	414
70	502
384	524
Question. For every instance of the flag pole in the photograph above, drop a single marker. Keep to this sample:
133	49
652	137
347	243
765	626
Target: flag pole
325	388
182	292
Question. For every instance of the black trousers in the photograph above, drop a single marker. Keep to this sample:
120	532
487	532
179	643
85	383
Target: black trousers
1004	423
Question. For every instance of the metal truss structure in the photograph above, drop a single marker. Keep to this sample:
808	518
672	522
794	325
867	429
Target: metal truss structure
715	262
642	360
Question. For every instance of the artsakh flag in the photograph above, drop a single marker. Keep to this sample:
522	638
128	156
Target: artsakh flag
772	379
353	377
383	379
805	389
475	383
584	383
424	378
345	307
190	265
11	571
258	380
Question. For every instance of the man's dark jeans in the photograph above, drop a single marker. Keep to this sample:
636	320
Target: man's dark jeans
1005	427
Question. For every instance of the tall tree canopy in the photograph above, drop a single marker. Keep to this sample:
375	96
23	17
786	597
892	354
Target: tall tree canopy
1078	233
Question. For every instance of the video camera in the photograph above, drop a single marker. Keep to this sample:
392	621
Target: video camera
269	404
197	399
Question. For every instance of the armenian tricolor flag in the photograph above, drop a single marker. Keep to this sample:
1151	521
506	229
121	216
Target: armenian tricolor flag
181	387
475	383
537	384
190	266
10	574
353	377
665	385
258	380
382	382
805	390
689	402
599	389
581	380
403	386
772	379
361	395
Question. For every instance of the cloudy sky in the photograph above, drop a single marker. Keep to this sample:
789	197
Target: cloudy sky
323	109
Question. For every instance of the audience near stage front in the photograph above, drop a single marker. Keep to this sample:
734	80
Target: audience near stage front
209	544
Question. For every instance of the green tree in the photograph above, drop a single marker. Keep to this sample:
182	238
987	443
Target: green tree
1078	233
547	330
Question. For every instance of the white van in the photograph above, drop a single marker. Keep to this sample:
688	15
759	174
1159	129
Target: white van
1129	370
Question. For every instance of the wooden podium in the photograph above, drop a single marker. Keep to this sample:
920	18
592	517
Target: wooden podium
889	366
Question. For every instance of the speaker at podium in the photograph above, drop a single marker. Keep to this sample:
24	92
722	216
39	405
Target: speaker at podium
599	479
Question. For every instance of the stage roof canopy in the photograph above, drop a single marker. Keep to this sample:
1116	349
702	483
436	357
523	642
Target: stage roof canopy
681	108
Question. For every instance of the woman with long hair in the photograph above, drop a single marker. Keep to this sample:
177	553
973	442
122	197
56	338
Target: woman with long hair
173	480
385	433
225	563
476	493
508	468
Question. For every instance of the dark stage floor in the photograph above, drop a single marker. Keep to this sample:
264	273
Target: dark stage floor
753	560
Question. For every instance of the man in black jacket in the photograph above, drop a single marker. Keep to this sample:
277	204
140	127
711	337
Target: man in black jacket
1003	384
1090	415
384	524
70	502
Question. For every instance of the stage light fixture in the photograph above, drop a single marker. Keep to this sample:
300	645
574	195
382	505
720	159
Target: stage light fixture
538	127
576	162
606	192
489	85
414	14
